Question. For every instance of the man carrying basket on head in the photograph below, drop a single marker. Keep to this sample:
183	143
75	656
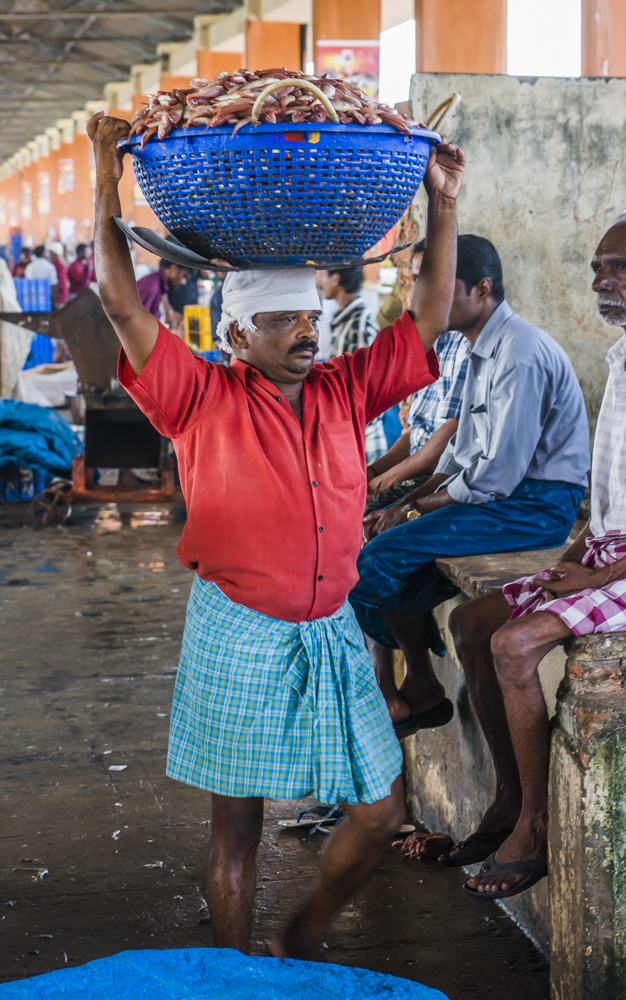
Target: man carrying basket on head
276	696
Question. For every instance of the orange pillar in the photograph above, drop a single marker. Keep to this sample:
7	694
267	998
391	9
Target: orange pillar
273	43
83	189
212	63
604	34
42	206
349	19
454	36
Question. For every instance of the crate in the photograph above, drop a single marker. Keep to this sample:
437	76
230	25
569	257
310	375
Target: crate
198	334
34	294
19	483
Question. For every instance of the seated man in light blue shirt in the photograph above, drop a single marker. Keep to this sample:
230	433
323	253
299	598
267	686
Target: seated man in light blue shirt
512	477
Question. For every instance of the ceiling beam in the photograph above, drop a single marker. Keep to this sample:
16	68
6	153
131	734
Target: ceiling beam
77	15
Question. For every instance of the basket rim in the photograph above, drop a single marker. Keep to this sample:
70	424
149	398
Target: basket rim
281	128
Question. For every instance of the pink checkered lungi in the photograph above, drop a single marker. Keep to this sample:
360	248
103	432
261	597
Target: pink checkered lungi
589	611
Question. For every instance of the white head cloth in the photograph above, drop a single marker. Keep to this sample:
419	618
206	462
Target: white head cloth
245	293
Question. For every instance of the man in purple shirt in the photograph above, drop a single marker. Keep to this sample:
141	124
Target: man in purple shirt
153	287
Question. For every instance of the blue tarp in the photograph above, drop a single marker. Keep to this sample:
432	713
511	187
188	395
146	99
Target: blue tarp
35	437
212	974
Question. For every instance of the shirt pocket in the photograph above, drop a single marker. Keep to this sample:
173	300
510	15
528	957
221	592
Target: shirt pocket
480	419
345	458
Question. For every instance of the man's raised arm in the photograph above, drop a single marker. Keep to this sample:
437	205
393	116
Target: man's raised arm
137	329
434	289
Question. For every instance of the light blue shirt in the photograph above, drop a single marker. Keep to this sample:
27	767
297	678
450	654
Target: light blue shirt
522	414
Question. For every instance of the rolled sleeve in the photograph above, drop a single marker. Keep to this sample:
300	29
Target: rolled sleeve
173	387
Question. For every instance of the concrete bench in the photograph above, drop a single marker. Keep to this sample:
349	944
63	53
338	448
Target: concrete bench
578	915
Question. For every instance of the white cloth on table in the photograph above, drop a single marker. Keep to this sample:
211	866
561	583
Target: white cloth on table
14	342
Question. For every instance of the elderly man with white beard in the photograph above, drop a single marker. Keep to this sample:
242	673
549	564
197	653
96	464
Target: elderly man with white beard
504	636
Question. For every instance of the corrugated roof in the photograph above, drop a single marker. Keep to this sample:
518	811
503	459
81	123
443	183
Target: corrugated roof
55	55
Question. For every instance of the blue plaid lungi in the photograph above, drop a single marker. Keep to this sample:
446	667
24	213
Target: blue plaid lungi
265	707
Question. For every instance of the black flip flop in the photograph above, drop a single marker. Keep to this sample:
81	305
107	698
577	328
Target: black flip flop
533	870
431	719
490	841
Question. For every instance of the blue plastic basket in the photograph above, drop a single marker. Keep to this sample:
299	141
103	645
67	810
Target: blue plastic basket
281	193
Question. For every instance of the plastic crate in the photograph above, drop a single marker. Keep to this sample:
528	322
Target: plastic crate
19	483
34	294
281	194
198	334
41	351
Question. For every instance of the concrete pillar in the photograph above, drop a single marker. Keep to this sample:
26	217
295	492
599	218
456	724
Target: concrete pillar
604	31
454	36
587	824
273	43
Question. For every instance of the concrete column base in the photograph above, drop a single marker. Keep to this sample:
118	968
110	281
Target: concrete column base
587	824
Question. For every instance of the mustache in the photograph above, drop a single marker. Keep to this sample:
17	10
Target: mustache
616	302
308	344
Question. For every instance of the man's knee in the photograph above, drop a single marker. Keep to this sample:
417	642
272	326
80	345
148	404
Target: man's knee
473	623
381	820
515	649
236	825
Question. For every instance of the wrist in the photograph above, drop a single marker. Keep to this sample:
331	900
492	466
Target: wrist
442	203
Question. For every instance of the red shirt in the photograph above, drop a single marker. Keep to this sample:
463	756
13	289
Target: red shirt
63	283
80	275
275	507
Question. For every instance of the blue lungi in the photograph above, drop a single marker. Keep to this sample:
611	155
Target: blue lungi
264	707
397	570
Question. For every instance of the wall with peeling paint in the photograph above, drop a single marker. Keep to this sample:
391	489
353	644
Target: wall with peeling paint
546	175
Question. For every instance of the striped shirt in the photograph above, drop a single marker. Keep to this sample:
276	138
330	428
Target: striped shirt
352	327
608	475
441	401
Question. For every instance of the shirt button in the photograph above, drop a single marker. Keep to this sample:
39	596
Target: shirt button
479	378
321	528
315	482
256	374
320	577
620	496
277	398
477	440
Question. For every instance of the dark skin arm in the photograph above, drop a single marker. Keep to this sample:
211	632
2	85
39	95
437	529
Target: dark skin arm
423	461
569	577
136	328
434	289
423	499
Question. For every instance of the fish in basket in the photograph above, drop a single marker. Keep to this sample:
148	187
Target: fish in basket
317	184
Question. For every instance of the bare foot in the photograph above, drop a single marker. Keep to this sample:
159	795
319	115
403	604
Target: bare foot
529	844
421	699
294	943
398	708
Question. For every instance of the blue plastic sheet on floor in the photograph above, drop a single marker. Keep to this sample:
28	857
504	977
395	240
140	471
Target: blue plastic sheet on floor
212	974
35	437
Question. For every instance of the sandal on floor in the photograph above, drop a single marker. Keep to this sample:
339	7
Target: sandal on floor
323	815
490	841
431	719
533	870
403	831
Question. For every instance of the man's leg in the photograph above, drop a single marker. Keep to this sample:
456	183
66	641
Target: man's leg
354	849
473	625
518	648
382	658
230	871
420	689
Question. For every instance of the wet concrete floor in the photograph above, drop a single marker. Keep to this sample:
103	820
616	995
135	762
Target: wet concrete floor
100	852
